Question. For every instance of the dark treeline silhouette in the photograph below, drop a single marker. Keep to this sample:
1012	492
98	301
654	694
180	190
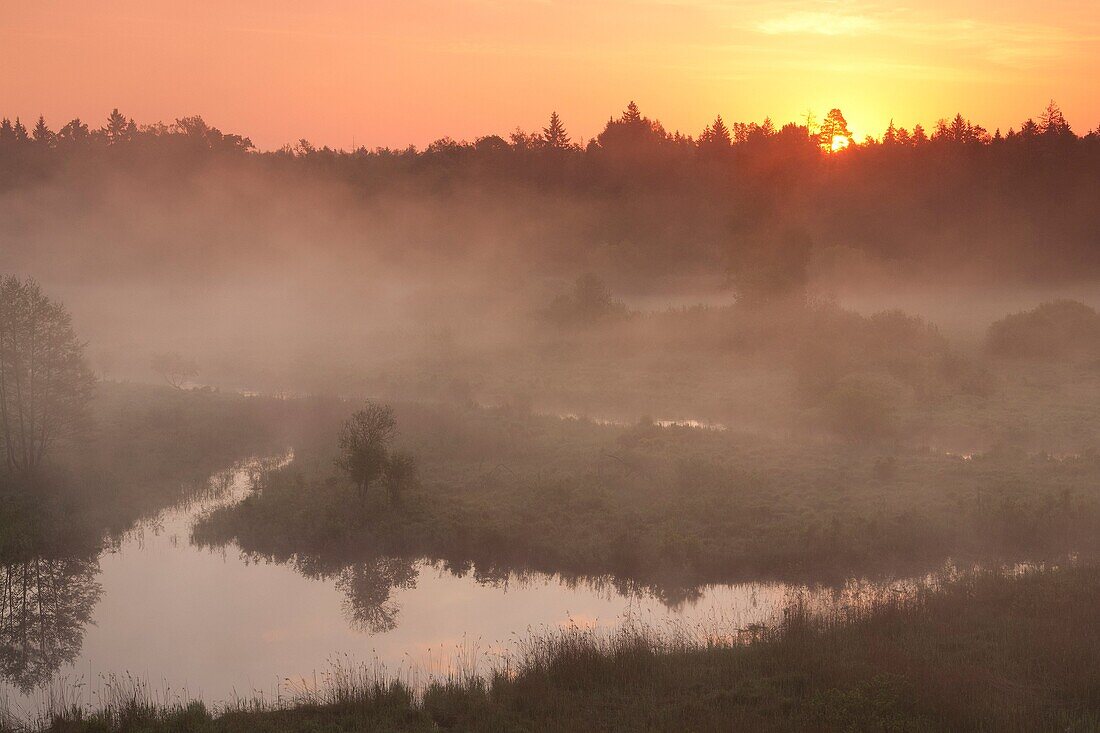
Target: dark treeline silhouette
955	196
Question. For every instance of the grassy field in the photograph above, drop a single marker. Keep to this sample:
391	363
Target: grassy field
987	652
144	448
669	507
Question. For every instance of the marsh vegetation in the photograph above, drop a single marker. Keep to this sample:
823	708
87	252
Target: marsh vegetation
579	399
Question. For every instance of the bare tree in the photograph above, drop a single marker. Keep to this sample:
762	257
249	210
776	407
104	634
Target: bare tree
364	444
174	369
45	381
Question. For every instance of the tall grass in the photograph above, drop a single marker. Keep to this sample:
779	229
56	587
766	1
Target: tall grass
1012	651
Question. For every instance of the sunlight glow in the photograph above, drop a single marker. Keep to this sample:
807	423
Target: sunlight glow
822	24
839	143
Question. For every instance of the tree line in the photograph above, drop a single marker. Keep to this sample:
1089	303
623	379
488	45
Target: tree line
637	201
630	130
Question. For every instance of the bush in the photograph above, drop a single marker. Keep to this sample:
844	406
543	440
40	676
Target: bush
860	409
1051	330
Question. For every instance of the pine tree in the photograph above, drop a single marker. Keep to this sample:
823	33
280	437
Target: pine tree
554	136
116	129
890	137
632	115
715	135
42	134
833	129
720	134
1028	129
960	130
7	132
920	137
1052	121
21	135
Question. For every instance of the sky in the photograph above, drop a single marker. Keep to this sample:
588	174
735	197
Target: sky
367	73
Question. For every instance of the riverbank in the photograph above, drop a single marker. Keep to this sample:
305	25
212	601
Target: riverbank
989	651
144	448
667	507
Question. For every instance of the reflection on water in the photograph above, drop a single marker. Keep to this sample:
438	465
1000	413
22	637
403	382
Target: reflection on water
221	625
368	587
46	605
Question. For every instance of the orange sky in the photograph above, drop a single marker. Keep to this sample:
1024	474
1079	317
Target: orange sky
410	71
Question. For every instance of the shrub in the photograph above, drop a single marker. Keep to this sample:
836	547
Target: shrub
1051	330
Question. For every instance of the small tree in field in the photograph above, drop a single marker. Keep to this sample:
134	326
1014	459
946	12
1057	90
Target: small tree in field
45	381
364	444
176	370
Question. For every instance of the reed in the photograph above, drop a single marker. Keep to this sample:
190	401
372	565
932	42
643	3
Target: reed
1006	651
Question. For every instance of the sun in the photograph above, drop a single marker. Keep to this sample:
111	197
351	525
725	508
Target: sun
839	143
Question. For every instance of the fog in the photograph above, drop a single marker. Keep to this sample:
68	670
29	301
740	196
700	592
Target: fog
645	398
292	275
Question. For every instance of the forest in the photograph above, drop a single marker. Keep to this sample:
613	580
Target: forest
636	203
785	429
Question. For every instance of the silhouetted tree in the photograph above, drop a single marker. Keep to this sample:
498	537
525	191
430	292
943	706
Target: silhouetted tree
42	134
491	143
554	135
1029	129
716	135
365	442
1052	123
632	134
118	129
19	132
74	132
174	369
45	381
833	129
202	135
521	140
890	137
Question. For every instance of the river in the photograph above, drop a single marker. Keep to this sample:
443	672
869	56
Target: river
190	623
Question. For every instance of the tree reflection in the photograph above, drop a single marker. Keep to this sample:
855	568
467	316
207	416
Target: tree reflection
368	587
45	605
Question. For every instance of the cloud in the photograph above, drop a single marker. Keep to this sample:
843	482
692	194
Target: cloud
999	42
818	23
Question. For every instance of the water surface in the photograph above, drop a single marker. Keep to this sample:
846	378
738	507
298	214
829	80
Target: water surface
217	625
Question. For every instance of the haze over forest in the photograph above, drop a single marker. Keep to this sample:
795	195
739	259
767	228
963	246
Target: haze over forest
237	256
795	430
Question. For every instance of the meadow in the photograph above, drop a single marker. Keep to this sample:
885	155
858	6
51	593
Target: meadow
666	507
144	448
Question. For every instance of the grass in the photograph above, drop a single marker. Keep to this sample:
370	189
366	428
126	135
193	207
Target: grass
145	448
667	507
988	651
